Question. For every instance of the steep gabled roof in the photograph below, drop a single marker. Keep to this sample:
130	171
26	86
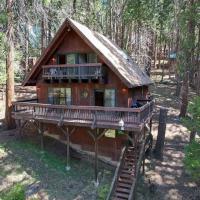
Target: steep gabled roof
119	62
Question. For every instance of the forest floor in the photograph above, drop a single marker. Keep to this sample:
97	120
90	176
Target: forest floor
163	180
42	174
167	179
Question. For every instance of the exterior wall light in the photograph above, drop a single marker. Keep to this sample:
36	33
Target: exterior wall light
121	124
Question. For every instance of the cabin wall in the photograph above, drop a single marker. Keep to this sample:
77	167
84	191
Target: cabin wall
77	89
109	147
72	43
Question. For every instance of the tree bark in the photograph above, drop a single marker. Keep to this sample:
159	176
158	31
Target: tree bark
184	95
155	50
158	151
9	66
192	135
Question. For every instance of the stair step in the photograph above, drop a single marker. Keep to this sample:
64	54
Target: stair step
129	160
123	195
123	190
125	181
118	198
124	185
130	172
126	176
129	165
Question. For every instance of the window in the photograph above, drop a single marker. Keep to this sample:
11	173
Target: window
71	58
109	98
92	58
82	58
61	59
59	96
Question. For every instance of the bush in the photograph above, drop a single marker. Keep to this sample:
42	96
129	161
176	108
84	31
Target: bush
103	192
192	159
192	122
16	192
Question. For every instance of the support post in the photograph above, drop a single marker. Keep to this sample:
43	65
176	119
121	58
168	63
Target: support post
96	135
150	125
67	134
19	124
41	130
68	156
158	151
96	160
143	163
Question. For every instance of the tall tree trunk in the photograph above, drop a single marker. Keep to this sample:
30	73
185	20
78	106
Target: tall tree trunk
26	53
42	35
159	147
155	50
184	95
9	66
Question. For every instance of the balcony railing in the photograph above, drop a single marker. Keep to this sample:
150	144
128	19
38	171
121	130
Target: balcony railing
73	71
88	116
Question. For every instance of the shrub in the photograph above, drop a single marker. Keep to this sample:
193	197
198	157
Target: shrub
16	192
103	192
192	122
192	159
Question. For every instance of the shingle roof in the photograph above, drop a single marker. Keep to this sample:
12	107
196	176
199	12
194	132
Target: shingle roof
119	62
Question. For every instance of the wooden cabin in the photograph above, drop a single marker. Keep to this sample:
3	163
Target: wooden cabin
88	90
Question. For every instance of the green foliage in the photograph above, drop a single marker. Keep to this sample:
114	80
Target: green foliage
192	159
103	191
16	192
192	122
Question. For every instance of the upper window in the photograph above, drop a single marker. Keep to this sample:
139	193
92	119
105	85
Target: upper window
92	58
71	58
59	96
82	58
109	98
61	59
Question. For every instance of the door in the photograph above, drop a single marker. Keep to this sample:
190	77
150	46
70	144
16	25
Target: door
99	97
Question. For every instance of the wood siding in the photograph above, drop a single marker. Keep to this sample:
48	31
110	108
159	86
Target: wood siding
107	146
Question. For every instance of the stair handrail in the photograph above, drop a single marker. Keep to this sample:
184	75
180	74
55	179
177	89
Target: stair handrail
141	155
117	170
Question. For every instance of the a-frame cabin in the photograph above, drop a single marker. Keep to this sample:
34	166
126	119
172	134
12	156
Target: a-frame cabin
93	94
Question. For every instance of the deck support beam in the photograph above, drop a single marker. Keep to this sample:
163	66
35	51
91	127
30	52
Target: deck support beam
96	135
20	127
67	134
143	162
41	132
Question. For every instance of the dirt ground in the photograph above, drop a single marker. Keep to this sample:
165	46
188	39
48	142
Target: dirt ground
163	180
43	172
167	179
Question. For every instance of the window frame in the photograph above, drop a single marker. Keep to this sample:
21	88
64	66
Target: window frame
90	54
53	99
61	54
110	98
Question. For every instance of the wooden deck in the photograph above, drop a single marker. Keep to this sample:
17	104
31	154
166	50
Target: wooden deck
73	71
128	119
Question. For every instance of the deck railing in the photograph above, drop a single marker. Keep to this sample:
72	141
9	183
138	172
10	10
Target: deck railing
73	71
95	115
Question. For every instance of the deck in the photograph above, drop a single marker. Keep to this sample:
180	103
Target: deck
73	71
127	119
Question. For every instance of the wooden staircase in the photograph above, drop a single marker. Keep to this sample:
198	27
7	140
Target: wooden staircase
126	173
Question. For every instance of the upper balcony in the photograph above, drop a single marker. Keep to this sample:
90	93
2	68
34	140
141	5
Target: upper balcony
128	119
73	71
